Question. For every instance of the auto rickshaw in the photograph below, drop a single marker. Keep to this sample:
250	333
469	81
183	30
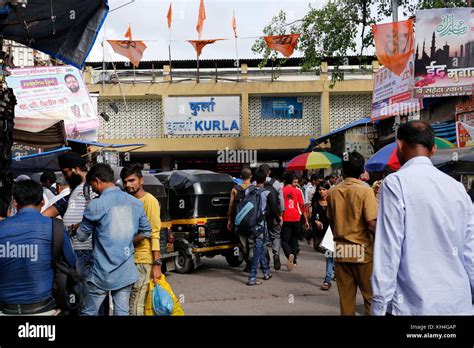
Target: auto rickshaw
198	204
153	186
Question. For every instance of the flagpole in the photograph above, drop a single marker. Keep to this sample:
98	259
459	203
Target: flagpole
236	50
238	63
169	54
197	62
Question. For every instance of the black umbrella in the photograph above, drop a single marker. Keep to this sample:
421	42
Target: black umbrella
458	160
64	29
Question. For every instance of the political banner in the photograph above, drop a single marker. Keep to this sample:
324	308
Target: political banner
444	58
392	94
281	107
202	115
464	115
46	95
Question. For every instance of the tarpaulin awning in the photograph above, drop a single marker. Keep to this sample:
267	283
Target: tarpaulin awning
38	162
324	137
80	146
457	154
52	137
94	143
65	30
445	130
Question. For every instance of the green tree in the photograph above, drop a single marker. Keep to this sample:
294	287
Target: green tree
338	29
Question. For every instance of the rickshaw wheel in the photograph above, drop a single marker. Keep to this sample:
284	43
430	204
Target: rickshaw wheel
183	262
232	260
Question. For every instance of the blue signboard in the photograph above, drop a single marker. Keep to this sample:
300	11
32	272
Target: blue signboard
284	107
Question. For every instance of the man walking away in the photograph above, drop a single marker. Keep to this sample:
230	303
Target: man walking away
291	229
274	223
352	212
260	231
236	196
147	251
424	247
26	278
114	219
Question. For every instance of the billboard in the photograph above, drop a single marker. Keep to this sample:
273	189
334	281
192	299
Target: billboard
392	93
444	58
202	115
281	107
46	95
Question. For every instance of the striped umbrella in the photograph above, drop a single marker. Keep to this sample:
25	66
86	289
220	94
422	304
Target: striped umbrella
387	156
314	160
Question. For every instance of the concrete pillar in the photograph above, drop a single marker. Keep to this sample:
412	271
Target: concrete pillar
245	115
325	115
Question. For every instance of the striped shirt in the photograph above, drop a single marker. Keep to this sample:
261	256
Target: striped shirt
74	213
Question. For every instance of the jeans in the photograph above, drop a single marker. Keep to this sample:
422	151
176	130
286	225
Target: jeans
247	245
140	289
84	262
329	269
83	266
259	259
96	296
289	238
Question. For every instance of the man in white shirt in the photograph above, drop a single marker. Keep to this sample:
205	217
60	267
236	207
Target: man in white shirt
424	239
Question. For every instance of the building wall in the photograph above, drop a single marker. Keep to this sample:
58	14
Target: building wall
309	125
324	109
347	108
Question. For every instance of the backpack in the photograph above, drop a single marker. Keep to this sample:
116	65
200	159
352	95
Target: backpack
69	286
249	218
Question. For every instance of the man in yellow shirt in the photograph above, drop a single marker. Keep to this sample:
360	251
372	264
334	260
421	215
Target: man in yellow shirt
147	250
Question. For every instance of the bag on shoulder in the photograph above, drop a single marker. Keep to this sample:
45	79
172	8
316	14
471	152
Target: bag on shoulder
69	286
249	215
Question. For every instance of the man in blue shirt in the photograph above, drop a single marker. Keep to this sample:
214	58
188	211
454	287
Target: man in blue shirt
424	241
26	273
116	220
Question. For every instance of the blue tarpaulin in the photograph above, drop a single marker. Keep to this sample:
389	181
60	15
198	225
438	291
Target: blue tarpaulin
38	162
65	30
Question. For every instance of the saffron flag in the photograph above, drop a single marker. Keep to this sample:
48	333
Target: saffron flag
169	16
128	34
394	44
234	26
201	19
133	50
285	44
199	44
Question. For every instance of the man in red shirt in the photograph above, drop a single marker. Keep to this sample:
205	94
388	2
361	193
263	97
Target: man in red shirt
294	208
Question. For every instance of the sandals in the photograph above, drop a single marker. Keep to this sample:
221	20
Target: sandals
257	282
326	286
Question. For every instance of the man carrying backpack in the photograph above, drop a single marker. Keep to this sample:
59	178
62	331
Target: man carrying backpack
250	221
236	196
274	220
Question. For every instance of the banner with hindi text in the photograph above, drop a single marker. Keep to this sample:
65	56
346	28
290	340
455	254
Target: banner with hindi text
46	95
202	115
444	58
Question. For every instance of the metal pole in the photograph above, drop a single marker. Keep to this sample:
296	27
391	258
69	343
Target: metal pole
395	45
169	54
197	62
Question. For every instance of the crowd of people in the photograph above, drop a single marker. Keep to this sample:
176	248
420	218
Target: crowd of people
384	235
111	240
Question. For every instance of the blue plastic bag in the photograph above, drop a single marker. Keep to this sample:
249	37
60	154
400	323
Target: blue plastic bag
162	301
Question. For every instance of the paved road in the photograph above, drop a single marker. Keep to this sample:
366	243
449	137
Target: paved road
217	289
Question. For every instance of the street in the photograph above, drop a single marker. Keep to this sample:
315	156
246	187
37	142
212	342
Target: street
217	289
